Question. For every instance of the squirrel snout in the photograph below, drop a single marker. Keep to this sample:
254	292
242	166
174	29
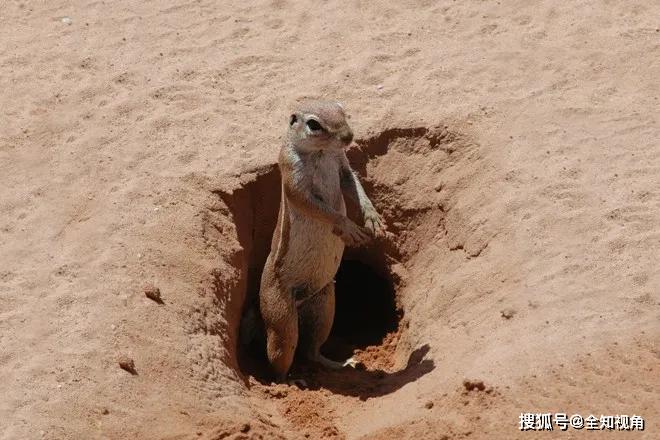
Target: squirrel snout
346	136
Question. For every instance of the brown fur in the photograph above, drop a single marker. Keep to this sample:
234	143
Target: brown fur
297	286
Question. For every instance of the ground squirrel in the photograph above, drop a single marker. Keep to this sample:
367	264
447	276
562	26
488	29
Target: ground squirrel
297	296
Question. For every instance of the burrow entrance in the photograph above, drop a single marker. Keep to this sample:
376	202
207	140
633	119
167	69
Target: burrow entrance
366	309
398	168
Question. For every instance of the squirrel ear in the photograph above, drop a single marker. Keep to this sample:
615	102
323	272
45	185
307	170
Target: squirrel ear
341	106
292	120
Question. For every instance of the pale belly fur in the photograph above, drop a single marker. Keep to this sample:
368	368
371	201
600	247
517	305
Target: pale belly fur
314	252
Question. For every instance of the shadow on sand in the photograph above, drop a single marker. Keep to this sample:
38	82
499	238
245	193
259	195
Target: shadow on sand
364	383
360	383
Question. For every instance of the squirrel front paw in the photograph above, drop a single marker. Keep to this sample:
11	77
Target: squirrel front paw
374	223
350	233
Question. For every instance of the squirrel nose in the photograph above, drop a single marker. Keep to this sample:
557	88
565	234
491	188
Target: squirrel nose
346	136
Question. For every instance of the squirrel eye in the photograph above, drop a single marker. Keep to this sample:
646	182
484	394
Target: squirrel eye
314	125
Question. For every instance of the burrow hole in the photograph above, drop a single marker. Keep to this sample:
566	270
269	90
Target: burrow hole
367	306
366	309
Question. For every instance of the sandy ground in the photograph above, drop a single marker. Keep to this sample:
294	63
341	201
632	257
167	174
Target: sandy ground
527	239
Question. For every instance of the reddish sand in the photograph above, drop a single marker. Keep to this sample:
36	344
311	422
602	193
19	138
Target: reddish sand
512	147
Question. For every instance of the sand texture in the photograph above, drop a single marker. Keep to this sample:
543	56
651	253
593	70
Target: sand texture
513	148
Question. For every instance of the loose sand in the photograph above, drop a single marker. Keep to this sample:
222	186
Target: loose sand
513	147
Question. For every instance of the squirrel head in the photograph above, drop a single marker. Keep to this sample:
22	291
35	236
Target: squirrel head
319	125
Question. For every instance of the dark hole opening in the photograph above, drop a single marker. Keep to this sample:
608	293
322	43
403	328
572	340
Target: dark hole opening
365	312
365	309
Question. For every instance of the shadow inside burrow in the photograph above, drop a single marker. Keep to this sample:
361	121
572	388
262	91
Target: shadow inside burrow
366	312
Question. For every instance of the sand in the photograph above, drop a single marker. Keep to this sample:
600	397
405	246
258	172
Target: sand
513	148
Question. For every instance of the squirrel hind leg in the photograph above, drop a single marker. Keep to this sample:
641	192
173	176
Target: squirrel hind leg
280	319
